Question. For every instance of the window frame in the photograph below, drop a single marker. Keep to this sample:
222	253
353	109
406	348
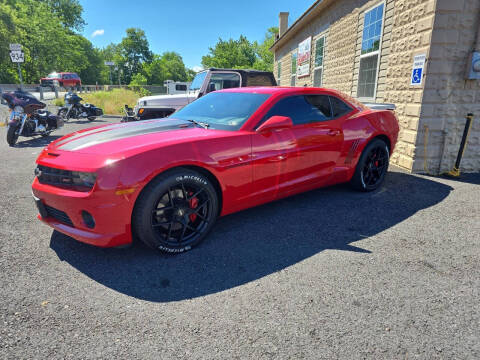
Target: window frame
293	75
208	78
279	71
373	53
324	37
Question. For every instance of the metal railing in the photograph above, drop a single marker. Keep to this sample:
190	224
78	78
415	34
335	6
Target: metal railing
48	92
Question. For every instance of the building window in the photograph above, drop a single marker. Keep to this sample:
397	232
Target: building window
319	55
294	69
370	54
279	72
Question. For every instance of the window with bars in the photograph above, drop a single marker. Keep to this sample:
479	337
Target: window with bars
294	69
370	54
319	57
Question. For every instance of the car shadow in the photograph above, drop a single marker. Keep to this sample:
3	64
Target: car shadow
37	141
254	243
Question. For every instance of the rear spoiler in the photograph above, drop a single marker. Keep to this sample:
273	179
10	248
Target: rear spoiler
380	106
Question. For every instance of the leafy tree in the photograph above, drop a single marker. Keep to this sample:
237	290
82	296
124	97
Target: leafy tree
231	54
134	51
69	12
168	66
264	55
7	29
242	53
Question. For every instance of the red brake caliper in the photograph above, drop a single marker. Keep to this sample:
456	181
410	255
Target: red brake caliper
193	205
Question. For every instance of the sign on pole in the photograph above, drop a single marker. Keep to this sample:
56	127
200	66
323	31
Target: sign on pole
417	71
15	47
17	56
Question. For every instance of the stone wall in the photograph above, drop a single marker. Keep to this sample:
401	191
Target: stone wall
412	23
448	97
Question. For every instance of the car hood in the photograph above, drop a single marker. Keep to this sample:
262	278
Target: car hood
125	139
168	100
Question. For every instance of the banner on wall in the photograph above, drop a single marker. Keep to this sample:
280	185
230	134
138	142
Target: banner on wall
303	59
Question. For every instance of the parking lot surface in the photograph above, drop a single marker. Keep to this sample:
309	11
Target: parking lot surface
333	273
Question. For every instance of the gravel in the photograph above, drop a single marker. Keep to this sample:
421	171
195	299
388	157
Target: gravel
333	273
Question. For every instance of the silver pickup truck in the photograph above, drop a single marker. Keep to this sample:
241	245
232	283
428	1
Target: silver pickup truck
159	106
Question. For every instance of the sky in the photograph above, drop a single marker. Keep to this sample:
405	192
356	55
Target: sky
185	26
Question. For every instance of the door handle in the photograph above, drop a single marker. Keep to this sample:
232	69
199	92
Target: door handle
333	132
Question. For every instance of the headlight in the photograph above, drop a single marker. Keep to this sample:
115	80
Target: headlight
84	178
18	109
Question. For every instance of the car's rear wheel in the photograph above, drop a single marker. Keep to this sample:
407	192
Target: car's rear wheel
372	166
175	211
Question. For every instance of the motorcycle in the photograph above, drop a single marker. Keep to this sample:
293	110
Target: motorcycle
77	110
27	118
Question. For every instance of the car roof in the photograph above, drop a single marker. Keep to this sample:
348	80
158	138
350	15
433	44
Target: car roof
281	90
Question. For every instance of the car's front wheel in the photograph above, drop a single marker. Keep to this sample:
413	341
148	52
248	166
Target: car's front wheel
372	166
175	211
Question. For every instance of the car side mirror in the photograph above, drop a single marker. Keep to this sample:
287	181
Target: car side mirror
211	87
275	123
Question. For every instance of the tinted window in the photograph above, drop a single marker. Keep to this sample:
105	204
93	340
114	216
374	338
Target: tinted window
302	109
225	110
224	81
180	87
339	108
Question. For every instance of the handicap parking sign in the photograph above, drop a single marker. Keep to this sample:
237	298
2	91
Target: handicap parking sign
417	71
417	76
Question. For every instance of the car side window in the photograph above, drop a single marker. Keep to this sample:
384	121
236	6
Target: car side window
322	103
339	108
301	109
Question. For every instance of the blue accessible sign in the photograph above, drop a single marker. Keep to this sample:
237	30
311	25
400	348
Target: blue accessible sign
417	71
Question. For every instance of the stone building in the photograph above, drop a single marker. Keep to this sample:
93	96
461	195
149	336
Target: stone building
421	55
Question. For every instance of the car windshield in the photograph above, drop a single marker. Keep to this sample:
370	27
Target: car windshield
198	81
53	75
222	110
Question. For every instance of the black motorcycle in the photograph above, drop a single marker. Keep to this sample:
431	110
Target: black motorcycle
27	118
74	109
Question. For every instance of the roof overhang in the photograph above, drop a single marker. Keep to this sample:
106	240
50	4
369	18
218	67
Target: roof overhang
313	11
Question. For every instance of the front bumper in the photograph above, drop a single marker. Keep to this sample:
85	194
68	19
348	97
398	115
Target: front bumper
112	214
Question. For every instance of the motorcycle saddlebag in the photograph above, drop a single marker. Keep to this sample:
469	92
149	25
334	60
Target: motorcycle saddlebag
93	110
54	121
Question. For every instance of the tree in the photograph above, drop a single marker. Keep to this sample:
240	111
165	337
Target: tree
168	66
264	55
134	51
238	54
242	53
69	12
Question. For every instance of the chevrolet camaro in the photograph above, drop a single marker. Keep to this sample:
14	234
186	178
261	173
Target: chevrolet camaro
166	181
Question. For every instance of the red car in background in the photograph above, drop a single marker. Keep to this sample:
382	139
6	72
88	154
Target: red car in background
62	79
167	180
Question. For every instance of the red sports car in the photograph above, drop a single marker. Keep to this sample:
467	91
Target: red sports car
166	181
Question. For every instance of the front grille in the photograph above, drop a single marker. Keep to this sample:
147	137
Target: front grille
59	215
60	178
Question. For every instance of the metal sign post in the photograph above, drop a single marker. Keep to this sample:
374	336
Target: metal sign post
17	56
110	64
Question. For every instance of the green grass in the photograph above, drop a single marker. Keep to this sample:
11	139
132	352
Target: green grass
59	102
112	102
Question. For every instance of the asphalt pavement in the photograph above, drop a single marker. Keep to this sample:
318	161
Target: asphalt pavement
333	273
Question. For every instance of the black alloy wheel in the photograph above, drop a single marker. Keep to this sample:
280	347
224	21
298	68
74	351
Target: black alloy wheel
372	166
176	211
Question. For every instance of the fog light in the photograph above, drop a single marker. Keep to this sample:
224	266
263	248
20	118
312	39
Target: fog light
88	219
